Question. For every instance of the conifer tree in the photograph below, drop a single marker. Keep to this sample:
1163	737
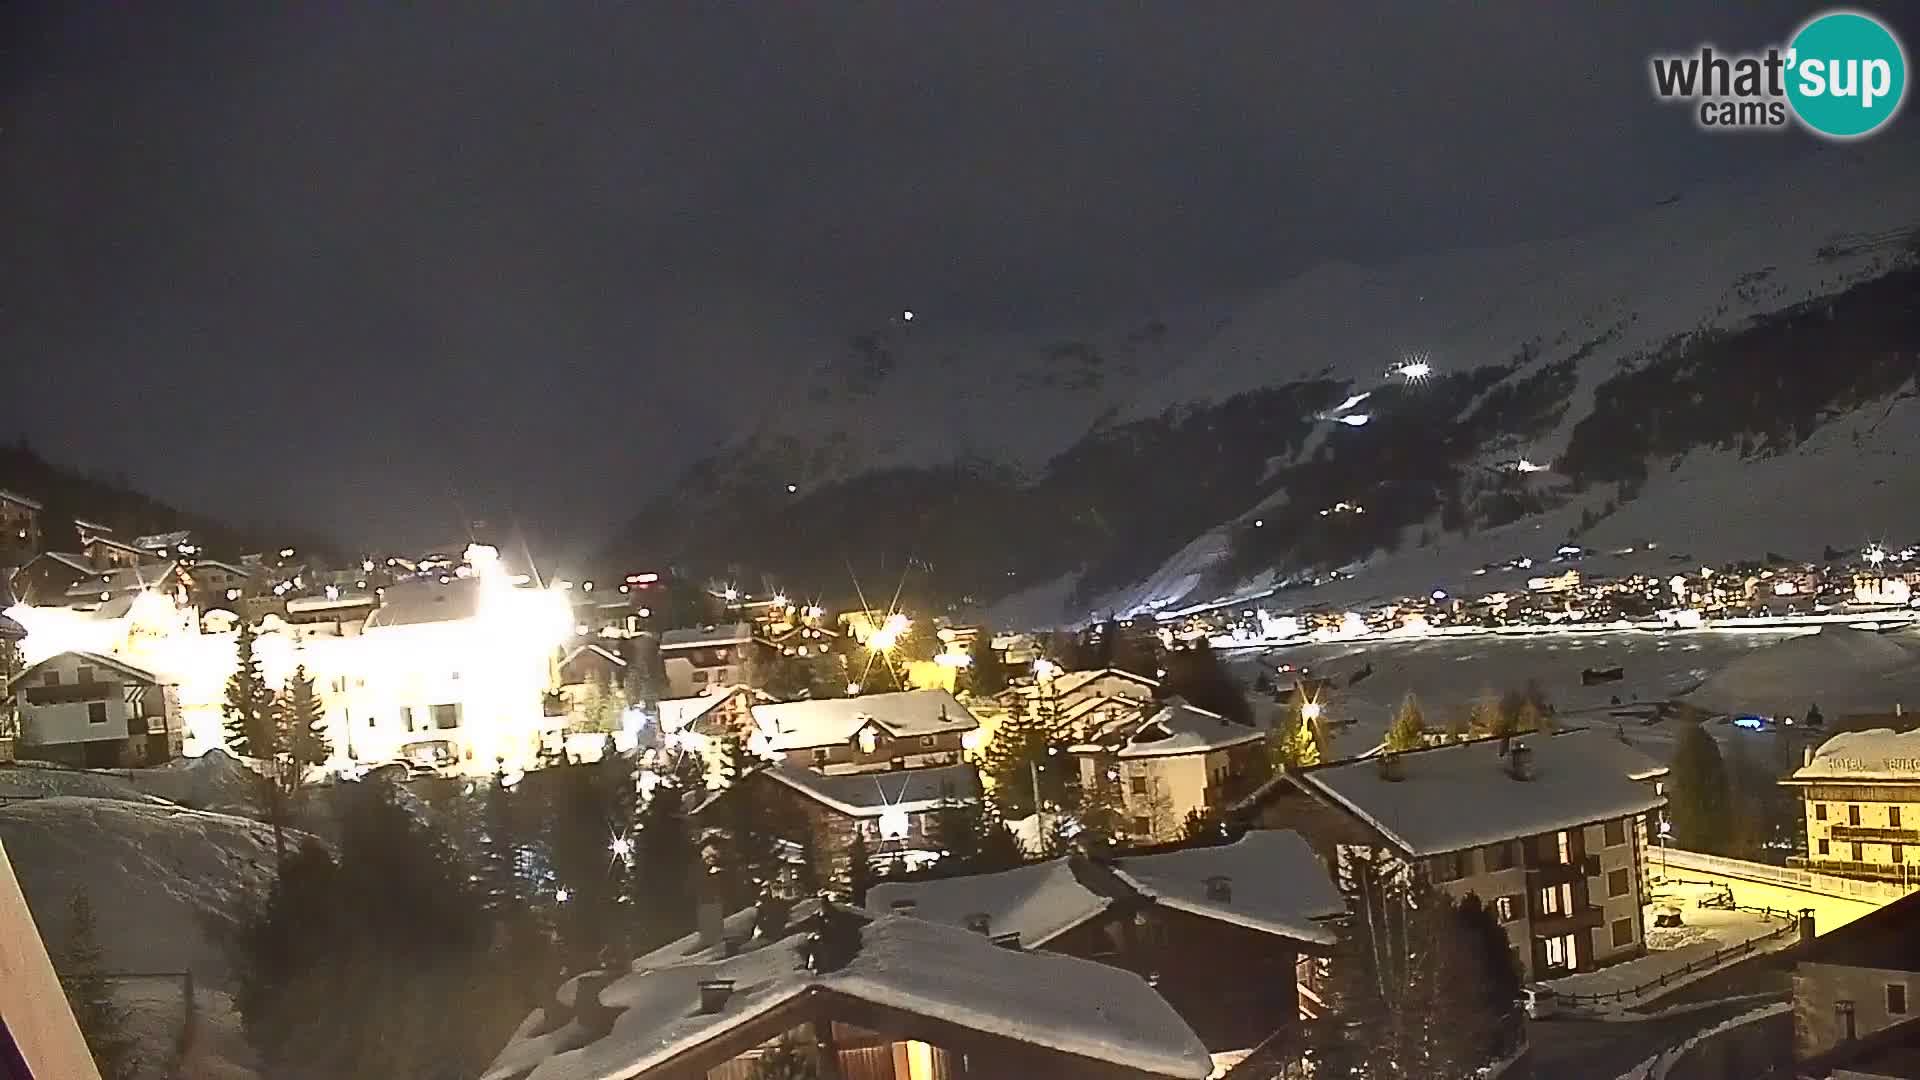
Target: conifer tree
1024	749
987	672
1196	674
857	876
749	859
787	1059
665	868
306	735
82	971
1699	799
249	708
1409	730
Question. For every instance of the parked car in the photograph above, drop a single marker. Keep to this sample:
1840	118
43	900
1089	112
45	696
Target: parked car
1539	1001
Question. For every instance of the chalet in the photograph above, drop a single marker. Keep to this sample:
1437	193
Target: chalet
704	724
1550	831
95	711
1166	761
910	729
1229	935
45	579
893	813
106	553
112	593
181	544
591	680
219	584
702	657
887	998
19	525
1083	699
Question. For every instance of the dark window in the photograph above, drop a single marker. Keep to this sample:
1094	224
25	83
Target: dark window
1446	867
371	721
446	717
406	716
1824	848
820	756
1893	817
1142	826
1499	857
84	674
1622	932
1819	811
52	678
1615	833
1853	815
926	741
1898	853
1617	882
1858	856
1137	785
1896	999
96	712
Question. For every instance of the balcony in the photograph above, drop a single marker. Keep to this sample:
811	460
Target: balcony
1546	875
1586	918
1870	834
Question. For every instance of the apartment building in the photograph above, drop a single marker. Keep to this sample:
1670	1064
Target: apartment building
1550	831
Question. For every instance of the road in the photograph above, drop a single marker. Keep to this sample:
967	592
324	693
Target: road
1601	1050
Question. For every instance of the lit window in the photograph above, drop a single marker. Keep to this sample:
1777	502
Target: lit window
1507	908
893	824
869	740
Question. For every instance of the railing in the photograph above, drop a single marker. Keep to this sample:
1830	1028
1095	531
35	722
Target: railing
1713	960
1805	880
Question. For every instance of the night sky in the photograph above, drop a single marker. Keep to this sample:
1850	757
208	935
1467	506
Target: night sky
370	271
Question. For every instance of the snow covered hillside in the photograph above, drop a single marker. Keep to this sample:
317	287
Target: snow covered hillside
1652	364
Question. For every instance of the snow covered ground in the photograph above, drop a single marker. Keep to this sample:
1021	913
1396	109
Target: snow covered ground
1705	932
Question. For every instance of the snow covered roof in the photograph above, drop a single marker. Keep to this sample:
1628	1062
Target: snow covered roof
1876	754
1073	681
589	648
908	966
96	660
1272	882
871	794
678	713
323	603
20	500
1039	902
1171	729
123	580
707	636
68	559
801	725
157	541
410	603
1451	798
230	568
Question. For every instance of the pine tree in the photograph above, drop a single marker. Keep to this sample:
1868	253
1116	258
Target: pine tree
857	877
1699	801
1196	674
750	863
1024	749
788	1059
307	727
665	867
1409	730
1814	718
582	826
249	708
987	673
83	977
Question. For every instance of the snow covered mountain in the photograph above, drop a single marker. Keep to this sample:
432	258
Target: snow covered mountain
1765	329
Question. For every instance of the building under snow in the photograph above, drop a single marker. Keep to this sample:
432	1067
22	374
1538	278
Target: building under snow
1232	935
1165	761
1861	795
96	712
1550	831
853	996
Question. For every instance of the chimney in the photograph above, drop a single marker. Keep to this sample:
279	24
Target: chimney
714	994
1520	761
1007	941
1220	888
1390	767
906	905
980	923
1806	756
712	924
592	1017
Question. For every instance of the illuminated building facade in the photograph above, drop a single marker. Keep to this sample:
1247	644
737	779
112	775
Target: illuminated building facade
1860	792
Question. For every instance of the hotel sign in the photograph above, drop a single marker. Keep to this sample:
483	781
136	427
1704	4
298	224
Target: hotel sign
1851	764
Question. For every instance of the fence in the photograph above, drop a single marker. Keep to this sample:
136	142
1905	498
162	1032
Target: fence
1872	892
1705	963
